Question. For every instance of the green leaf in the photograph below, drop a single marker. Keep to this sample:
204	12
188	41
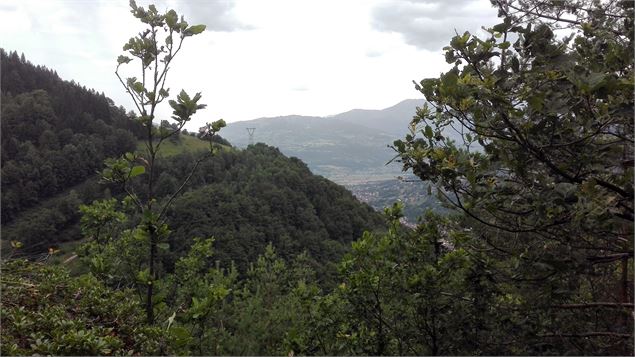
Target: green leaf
137	170
138	87
428	132
181	334
504	26
182	25
596	81
171	18
143	276
536	102
183	97
515	64
217	125
123	59
195	30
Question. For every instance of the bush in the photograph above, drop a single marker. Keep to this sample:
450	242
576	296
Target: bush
45	311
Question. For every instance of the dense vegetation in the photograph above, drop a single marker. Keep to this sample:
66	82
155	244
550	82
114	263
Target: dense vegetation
95	323
55	134
535	258
246	198
255	197
258	196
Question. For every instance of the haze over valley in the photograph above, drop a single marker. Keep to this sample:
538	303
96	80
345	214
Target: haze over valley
350	148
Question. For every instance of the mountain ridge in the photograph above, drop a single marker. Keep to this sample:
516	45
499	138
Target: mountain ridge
349	147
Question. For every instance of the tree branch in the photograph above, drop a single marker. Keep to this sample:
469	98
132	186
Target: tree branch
588	334
610	305
187	179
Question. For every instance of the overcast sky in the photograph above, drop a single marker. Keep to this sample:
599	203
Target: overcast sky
257	58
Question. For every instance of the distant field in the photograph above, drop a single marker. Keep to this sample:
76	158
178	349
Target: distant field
413	193
185	143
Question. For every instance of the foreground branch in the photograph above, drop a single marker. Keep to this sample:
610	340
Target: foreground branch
610	305
589	334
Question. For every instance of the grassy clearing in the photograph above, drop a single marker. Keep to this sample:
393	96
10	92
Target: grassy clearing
185	143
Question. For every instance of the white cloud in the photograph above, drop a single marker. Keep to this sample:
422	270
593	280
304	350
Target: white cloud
429	24
260	58
217	15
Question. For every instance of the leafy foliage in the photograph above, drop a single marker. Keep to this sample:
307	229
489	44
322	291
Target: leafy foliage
545	171
44	311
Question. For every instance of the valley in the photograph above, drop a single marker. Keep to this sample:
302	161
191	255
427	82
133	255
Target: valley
350	149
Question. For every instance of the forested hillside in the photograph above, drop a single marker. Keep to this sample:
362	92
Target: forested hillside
258	196
55	134
226	251
251	198
246	198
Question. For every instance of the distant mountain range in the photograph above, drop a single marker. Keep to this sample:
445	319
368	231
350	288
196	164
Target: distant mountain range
393	120
350	147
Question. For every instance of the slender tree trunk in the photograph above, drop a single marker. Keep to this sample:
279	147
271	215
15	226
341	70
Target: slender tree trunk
625	280
150	291
152	234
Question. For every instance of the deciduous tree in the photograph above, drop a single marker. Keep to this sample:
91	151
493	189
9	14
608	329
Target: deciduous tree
154	49
545	169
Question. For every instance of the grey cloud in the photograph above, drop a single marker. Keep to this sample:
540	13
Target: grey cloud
373	53
218	15
430	24
82	20
82	14
8	7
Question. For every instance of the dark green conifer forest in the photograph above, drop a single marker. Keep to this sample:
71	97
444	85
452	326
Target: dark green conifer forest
124	235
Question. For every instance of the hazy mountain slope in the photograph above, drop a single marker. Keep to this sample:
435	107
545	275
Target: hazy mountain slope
393	120
331	147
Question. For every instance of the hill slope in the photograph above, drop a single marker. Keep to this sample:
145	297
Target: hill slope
55	134
245	199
